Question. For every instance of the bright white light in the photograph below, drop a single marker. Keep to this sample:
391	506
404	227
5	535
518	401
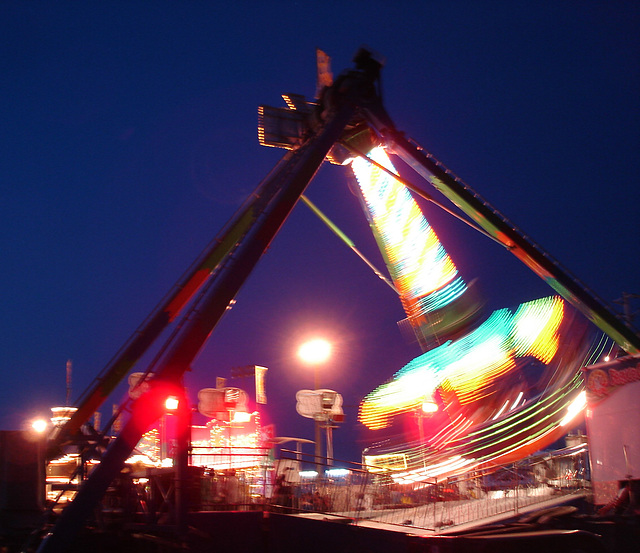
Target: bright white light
308	474
574	408
337	473
501	410
39	425
429	407
171	403
315	351
241	416
143	460
516	401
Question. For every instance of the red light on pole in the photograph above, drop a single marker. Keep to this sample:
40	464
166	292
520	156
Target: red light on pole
172	403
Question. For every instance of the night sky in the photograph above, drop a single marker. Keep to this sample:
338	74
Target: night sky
129	138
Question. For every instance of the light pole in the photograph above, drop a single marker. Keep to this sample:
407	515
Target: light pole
314	352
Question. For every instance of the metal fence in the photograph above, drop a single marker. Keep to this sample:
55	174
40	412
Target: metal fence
360	495
354	493
249	481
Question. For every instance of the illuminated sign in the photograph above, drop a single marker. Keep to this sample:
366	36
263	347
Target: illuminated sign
602	379
384	463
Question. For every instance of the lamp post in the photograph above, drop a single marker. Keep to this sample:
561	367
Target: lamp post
314	352
179	407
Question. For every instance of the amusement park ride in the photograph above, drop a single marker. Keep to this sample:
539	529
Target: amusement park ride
469	418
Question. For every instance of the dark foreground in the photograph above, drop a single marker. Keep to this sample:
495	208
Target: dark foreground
266	532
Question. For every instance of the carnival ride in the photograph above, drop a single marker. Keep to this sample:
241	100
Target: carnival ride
347	121
488	389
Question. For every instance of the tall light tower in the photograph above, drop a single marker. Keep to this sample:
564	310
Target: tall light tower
314	353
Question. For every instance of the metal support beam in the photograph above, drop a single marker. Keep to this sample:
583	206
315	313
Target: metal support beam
532	255
170	307
289	182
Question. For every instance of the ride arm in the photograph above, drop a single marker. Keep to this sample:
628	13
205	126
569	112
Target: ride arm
534	257
290	182
168	309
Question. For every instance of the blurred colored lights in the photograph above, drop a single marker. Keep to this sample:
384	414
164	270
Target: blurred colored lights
575	407
465	369
419	264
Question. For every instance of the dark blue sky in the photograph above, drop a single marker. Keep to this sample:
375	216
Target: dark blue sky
129	138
